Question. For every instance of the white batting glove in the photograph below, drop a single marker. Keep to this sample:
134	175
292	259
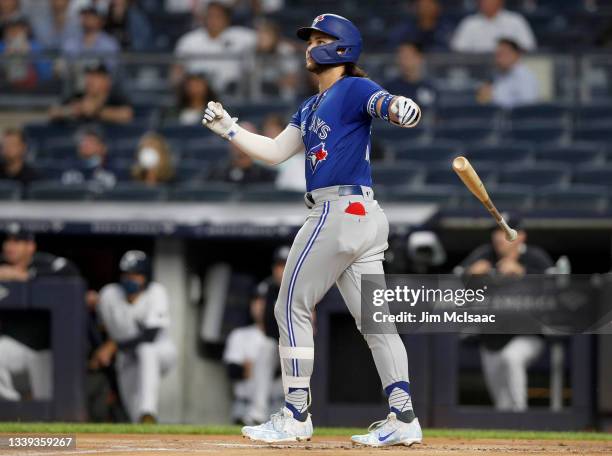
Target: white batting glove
407	111
219	121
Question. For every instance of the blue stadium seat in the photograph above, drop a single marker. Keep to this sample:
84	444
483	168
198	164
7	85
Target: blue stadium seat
515	197
574	154
269	193
191	170
117	132
542	132
52	169
593	175
505	153
396	174
464	133
385	132
586	114
538	175
45	131
576	198
10	190
541	112
133	192
57	152
122	151
197	149
466	112
597	133
443	195
259	109
444	175
437	151
205	192
185	132
56	191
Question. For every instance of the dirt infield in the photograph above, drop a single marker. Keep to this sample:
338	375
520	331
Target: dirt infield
170	445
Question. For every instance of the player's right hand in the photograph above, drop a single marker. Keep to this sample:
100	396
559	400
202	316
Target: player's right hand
218	120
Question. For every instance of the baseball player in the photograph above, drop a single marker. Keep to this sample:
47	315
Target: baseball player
345	234
136	316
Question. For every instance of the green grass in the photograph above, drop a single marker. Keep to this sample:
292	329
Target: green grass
463	434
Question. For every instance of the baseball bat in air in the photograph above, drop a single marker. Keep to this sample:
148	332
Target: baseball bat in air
468	175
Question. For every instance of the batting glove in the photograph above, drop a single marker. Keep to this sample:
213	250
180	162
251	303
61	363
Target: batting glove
407	111
219	121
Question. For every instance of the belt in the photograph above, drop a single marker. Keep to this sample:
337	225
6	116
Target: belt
331	193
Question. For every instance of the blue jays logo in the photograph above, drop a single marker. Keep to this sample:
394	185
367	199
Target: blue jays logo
316	155
318	19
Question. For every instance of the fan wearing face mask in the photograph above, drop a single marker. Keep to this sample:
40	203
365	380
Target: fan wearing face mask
153	161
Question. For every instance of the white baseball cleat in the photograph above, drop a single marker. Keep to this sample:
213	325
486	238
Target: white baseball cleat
391	431
282	427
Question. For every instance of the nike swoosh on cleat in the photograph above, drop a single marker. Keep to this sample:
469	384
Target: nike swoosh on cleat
382	438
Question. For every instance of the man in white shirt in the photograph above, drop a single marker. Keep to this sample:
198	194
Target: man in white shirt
251	360
480	32
135	313
217	48
514	84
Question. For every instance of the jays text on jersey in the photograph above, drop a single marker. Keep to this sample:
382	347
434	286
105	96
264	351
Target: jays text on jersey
335	127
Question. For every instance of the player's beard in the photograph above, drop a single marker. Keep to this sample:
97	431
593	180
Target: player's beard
317	68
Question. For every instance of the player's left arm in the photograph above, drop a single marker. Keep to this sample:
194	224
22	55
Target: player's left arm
371	99
398	110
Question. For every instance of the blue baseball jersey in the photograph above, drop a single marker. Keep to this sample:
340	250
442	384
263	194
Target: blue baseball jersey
336	129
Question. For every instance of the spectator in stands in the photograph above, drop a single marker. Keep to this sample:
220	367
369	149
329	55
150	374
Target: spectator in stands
429	27
136	315
24	340
9	11
505	358
92	40
153	161
129	25
216	48
480	32
193	95
23	67
92	164
291	172
13	164
251	351
412	82
52	23
100	101
241	168
514	84
277	63
245	8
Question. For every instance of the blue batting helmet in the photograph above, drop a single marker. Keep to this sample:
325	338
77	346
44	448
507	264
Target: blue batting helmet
345	49
137	262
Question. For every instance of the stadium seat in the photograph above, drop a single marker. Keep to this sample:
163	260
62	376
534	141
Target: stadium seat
205	192
543	132
117	132
585	115
191	170
396	174
443	175
383	131
269	193
184	132
576	198
540	112
57	152
598	133
437	151
472	112
56	191
516	197
574	154
593	175
507	153
132	192
10	190
443	195
464	133
197	149
538	175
